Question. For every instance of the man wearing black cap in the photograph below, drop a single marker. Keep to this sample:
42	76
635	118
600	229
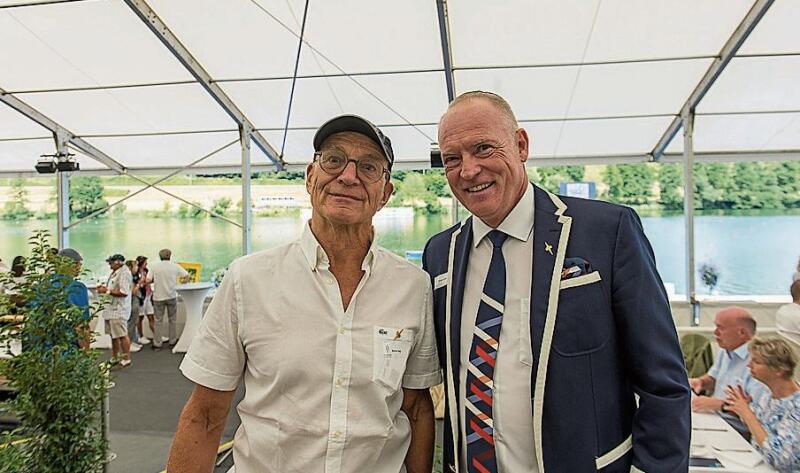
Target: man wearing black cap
119	309
331	334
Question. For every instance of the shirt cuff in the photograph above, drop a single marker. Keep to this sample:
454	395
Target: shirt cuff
204	377
422	381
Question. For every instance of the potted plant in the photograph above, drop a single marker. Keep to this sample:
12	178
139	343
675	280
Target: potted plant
709	274
60	386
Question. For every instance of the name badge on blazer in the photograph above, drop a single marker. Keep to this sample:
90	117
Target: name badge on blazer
440	281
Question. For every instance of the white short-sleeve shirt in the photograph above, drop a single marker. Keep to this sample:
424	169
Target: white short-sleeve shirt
164	276
323	384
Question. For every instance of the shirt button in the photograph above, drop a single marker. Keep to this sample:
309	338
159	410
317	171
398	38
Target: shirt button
341	330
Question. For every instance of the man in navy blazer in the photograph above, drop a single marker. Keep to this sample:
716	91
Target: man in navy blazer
588	374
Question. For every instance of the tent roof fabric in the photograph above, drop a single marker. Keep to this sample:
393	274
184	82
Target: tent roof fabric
598	80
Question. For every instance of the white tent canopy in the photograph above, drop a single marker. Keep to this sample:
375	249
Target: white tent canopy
591	81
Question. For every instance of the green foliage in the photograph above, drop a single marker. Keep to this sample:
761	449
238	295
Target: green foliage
551	177
436	183
86	196
187	211
17	207
414	191
629	184
60	386
670	179
221	205
747	185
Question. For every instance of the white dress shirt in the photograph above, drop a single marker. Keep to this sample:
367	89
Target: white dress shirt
323	384
512	414
730	369
164	276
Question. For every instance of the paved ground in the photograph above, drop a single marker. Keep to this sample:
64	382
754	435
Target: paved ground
145	405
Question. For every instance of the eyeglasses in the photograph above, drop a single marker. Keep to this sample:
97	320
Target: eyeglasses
368	169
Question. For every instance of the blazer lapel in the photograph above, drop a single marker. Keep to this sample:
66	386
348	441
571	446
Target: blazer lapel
458	259
550	237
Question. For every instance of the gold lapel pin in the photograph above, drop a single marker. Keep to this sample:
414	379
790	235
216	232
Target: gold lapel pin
548	248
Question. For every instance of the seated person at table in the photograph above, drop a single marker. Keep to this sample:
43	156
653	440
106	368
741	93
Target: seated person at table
774	418
734	328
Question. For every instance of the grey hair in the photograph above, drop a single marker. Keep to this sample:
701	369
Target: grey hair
495	99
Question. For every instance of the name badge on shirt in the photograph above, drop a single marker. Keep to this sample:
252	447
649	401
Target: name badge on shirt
391	347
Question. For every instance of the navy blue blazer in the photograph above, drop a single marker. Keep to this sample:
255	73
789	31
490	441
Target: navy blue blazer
597	339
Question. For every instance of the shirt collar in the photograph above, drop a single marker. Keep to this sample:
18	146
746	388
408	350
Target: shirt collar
518	223
740	351
317	258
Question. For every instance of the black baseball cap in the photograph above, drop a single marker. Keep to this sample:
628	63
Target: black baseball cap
359	125
115	257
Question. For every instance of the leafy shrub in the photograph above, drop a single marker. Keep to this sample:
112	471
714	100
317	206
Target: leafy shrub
60	386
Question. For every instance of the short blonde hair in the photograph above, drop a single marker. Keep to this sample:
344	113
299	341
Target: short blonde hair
776	353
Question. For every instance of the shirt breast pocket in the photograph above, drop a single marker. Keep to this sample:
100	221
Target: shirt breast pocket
584	323
391	348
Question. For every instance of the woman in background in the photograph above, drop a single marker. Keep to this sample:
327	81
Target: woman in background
135	303
145	294
774	420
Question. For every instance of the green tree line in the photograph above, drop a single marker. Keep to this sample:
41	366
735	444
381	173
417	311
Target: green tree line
726	186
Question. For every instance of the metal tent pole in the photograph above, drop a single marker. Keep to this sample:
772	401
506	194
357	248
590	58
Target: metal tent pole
247	213
688	212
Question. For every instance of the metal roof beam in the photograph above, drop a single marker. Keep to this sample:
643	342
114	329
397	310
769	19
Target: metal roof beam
447	52
59	130
720	62
174	45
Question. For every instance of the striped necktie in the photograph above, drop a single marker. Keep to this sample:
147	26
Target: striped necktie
480	369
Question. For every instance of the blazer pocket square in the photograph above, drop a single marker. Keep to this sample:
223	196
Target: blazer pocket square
575	267
581	280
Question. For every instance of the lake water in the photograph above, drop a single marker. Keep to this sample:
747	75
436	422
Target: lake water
755	254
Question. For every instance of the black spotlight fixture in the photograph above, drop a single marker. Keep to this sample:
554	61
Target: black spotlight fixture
46	166
68	166
61	162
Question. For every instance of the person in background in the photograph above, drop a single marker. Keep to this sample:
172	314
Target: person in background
734	328
116	313
145	295
78	294
165	275
787	320
17	272
796	275
774	419
133	317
